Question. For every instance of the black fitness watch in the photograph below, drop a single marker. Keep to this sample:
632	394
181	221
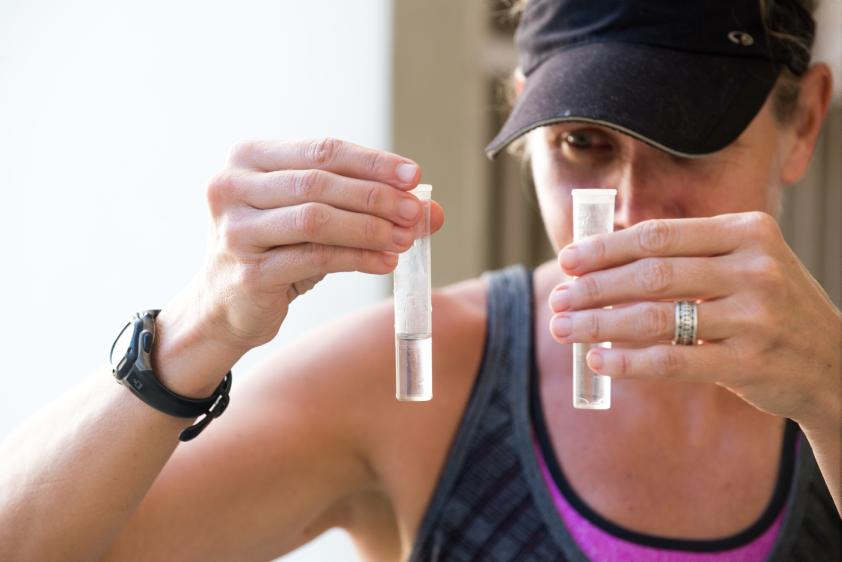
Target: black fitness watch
134	370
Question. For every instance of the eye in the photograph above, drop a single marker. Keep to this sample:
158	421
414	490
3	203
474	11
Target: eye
585	139
584	145
577	140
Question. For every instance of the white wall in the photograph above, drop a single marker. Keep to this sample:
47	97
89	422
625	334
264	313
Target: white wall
113	115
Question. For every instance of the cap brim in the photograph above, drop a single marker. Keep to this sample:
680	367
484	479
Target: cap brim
688	104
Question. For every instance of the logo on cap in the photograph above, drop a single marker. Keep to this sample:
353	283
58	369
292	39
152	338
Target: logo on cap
740	38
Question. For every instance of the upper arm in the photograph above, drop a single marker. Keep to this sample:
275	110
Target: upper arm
278	467
311	430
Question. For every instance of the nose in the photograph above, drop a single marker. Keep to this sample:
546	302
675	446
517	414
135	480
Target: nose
632	206
644	190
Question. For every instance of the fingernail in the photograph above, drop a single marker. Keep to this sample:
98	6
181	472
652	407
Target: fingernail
559	299
595	361
570	257
408	208
401	236
406	172
562	326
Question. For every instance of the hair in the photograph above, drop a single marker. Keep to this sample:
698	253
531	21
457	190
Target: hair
784	94
788	87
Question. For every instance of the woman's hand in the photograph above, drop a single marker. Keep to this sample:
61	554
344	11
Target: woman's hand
770	333
283	215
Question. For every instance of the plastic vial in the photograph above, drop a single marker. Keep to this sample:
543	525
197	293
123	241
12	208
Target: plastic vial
413	311
593	213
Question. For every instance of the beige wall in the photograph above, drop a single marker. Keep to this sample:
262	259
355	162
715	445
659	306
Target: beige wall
439	121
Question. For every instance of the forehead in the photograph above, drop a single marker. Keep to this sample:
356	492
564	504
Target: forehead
763	127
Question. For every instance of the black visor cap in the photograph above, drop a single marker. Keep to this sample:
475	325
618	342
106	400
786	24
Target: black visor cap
680	76
685	104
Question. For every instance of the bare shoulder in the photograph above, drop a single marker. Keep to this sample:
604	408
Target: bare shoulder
470	292
406	444
339	380
412	448
354	355
346	367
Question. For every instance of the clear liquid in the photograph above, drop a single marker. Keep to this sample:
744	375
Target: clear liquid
591	391
414	367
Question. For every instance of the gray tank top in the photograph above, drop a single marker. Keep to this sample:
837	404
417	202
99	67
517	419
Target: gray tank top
491	502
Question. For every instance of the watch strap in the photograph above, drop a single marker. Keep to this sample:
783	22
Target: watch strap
148	388
134	370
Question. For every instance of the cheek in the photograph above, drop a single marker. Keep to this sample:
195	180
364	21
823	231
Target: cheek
555	202
750	175
736	180
741	188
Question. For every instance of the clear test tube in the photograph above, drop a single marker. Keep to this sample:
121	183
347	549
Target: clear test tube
593	213
414	311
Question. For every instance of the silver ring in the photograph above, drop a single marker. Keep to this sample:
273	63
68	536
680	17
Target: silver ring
686	323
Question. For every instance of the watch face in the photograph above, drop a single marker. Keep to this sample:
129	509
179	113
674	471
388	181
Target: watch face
121	346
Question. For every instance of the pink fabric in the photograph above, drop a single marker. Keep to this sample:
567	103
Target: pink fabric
601	546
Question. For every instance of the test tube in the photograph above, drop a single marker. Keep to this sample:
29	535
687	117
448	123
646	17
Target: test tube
593	213
413	311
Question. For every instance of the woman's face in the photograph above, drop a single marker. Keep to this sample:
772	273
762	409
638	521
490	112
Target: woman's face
651	183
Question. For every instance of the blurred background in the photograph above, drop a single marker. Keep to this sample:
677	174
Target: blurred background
113	116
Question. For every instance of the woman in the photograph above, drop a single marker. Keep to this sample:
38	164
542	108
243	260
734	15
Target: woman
698	123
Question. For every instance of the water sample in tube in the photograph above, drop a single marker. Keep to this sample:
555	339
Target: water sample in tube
414	311
593	213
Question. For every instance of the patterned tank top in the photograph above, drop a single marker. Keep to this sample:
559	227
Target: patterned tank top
493	501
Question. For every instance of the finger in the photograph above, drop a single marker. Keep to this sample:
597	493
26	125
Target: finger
642	322
709	236
340	157
684	362
436	217
323	224
646	280
286	188
287	263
